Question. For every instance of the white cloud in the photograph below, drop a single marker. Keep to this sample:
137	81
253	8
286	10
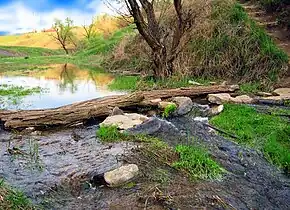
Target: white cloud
18	18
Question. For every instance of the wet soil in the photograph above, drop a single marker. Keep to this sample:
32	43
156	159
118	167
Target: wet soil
68	160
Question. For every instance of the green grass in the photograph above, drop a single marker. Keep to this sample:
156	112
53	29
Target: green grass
13	199
30	51
17	91
101	45
197	162
193	160
268	133
124	83
110	133
250	87
169	109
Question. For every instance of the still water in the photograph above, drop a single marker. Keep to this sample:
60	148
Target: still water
61	84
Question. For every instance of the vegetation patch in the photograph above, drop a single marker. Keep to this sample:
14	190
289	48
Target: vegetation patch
17	91
13	199
169	109
268	133
124	83
190	159
197	162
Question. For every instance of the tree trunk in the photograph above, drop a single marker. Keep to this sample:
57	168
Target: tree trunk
163	68
92	109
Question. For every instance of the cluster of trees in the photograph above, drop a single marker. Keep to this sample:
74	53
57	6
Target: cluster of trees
166	38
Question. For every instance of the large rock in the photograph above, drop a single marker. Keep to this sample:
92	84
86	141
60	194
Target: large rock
243	99
185	105
222	98
219	98
125	121
199	110
121	175
282	92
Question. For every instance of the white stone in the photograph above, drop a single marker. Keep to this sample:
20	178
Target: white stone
243	99
121	175
219	98
282	92
125	121
216	110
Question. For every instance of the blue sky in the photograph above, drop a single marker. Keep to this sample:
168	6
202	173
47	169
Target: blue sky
19	16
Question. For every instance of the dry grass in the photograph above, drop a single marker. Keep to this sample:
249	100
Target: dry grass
104	24
225	44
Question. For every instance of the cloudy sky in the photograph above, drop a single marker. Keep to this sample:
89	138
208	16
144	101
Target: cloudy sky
19	16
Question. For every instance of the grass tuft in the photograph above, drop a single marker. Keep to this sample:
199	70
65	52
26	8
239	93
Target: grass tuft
169	109
13	199
197	162
110	133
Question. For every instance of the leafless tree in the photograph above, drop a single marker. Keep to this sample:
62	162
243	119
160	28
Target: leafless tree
165	40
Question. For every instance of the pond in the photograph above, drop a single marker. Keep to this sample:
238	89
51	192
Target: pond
53	86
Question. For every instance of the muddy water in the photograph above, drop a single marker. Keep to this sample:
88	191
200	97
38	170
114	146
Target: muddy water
62	84
37	164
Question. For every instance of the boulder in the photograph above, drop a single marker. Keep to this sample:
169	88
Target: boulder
117	111
222	98
282	92
199	110
121	175
164	104
243	99
216	110
219	98
125	121
185	105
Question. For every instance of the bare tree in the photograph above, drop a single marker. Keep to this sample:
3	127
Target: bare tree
166	41
64	33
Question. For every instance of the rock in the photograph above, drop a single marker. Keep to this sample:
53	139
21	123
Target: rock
264	94
222	98
219	98
117	111
185	105
164	104
212	83
36	133
156	101
194	83
243	99
125	121
199	110
121	175
216	110
282	92
148	128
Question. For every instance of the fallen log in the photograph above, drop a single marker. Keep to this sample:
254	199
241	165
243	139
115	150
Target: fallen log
101	107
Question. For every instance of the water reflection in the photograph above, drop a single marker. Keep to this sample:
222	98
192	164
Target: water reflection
64	84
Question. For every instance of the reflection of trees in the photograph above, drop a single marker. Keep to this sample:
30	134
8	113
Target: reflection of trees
67	77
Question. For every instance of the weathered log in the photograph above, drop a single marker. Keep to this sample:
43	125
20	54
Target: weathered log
102	107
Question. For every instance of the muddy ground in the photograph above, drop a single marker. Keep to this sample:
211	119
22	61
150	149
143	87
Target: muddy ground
61	178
